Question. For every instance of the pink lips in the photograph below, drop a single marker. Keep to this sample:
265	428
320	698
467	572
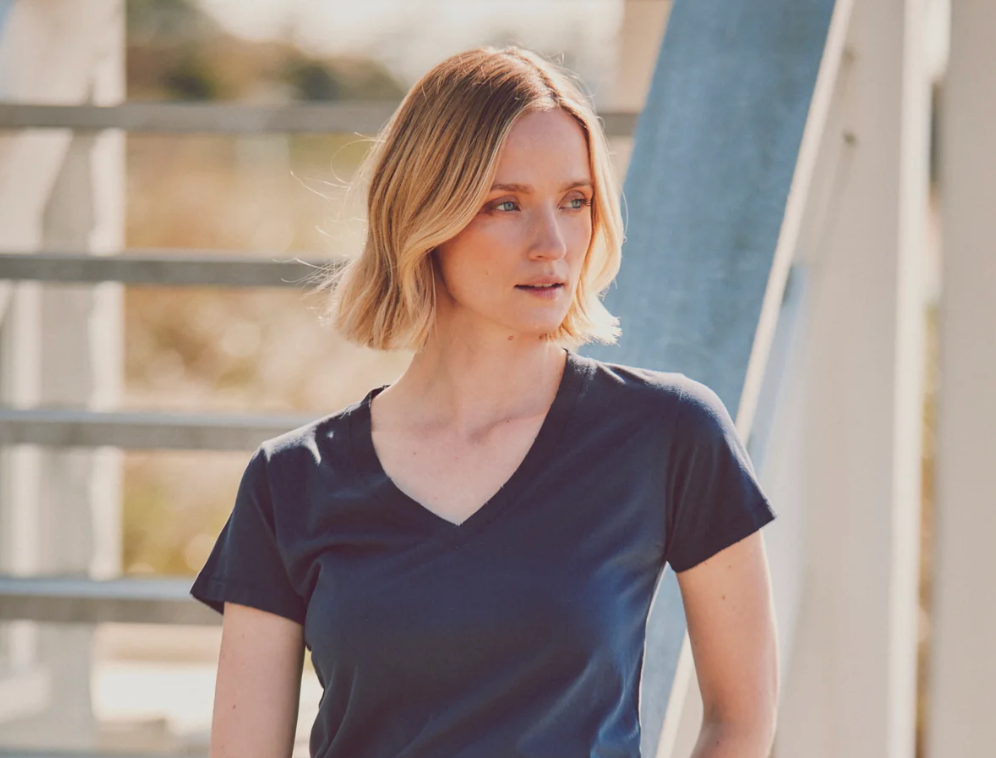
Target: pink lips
548	279
547	292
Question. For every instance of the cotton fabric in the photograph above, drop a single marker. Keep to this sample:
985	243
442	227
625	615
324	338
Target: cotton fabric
518	633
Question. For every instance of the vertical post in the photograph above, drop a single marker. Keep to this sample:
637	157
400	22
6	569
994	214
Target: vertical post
850	686
962	661
637	47
60	344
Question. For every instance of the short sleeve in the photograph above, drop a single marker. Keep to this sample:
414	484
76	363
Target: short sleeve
713	497
245	566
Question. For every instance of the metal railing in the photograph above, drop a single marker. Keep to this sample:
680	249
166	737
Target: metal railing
187	118
72	427
159	601
160	268
79	600
73	754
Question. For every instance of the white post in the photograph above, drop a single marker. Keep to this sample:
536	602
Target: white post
961	700
850	685
637	47
60	345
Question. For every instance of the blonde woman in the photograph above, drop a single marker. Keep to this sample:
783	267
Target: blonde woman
470	552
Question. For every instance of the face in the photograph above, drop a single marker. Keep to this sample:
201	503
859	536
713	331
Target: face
534	227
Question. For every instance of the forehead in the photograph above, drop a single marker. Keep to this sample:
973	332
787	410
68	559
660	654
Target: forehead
542	145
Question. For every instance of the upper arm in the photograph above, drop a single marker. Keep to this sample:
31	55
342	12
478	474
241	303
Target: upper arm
715	509
258	686
731	629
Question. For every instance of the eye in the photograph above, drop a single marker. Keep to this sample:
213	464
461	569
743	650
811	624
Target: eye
583	200
497	206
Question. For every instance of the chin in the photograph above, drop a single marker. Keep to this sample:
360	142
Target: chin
531	328
536	331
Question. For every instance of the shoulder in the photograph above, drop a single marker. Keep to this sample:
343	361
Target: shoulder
686	401
318	443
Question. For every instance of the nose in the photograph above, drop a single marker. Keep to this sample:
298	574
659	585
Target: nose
548	240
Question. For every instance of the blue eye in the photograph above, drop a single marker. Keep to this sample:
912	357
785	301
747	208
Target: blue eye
583	200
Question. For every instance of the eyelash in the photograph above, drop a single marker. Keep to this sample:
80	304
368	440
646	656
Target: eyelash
584	203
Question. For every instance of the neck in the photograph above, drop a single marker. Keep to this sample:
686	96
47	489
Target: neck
469	386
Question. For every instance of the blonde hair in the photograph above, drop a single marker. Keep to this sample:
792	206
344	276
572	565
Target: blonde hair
430	170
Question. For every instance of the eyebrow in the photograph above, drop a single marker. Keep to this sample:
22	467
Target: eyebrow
527	189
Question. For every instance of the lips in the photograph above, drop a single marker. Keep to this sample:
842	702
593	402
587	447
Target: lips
556	285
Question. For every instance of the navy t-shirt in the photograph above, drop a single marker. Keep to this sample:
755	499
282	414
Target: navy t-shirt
519	632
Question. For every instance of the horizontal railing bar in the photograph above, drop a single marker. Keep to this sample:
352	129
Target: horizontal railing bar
77	599
19	753
160	268
58	427
210	118
216	118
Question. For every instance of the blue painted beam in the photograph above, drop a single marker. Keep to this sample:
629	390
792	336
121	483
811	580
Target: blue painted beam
715	151
5	8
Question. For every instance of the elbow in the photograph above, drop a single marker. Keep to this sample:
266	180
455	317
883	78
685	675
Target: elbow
750	723
745	736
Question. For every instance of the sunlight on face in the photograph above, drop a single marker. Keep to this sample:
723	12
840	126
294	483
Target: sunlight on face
535	223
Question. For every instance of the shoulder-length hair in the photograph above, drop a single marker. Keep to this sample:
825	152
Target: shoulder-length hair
429	171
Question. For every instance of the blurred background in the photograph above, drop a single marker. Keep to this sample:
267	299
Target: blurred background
215	354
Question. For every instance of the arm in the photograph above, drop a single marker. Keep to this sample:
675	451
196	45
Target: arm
731	630
258	687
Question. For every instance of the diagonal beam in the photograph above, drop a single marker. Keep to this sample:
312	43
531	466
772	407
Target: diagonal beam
716	151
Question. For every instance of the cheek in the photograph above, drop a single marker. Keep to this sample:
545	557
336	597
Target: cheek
579	240
586	223
493	239
476	255
464	271
467	276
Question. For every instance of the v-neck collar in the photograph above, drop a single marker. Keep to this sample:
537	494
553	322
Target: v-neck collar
404	507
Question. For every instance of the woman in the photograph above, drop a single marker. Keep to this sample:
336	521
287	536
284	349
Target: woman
470	553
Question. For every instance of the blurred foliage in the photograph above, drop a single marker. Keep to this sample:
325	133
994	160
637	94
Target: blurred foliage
189	79
312	81
167	22
175	51
241	350
169	534
235	350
